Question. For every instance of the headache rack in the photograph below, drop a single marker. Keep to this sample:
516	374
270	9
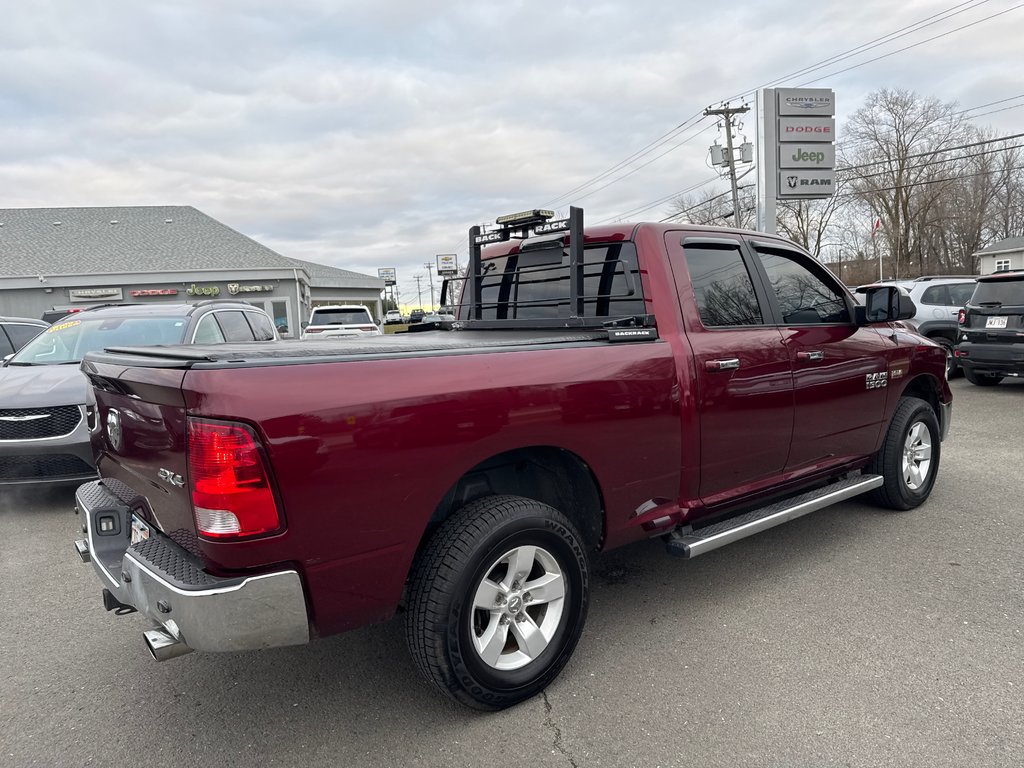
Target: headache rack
541	233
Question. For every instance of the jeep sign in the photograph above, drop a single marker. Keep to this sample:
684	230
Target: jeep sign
807	156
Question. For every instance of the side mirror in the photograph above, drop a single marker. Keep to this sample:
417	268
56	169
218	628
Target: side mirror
885	304
7	357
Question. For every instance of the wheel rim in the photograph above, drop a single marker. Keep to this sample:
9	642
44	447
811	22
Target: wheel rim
917	456
950	362
517	607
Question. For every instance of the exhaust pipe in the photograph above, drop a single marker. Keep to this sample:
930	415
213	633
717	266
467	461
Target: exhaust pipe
163	646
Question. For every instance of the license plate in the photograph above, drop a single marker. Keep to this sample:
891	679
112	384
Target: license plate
995	322
140	529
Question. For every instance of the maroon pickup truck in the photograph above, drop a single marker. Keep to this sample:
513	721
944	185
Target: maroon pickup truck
597	387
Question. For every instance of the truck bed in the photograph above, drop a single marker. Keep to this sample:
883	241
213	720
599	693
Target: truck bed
399	345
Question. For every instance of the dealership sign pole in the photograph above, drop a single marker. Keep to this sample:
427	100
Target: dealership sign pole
796	154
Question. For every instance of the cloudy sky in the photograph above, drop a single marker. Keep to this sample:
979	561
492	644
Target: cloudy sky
373	134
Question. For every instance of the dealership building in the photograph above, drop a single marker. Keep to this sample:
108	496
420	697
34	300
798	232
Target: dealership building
72	258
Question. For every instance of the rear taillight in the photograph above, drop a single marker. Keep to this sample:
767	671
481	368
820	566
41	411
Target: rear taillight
314	330
961	317
231	493
366	327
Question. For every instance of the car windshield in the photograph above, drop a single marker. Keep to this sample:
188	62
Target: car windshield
69	340
340	317
1005	292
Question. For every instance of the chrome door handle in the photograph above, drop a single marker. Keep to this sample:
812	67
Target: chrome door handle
730	364
811	357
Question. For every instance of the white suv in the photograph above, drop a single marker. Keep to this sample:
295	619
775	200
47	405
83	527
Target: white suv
340	320
938	300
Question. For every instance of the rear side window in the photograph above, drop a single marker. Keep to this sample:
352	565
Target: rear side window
960	293
22	333
208	332
357	316
722	287
535	284
999	292
936	295
804	297
262	328
234	326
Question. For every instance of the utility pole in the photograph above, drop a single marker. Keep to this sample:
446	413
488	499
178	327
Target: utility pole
726	113
419	290
430	271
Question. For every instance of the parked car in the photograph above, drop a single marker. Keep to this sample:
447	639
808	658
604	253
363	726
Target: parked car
340	320
54	314
16	332
46	414
939	299
696	385
393	317
416	316
991	327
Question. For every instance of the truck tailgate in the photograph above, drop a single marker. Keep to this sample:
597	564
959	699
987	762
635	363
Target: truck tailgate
140	444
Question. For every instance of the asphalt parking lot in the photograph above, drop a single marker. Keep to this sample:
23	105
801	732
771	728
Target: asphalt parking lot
850	637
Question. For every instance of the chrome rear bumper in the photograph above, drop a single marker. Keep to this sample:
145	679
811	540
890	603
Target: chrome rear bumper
167	584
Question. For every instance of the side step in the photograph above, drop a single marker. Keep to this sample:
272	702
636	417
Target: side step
712	537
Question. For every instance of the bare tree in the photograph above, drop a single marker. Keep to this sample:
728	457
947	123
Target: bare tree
896	161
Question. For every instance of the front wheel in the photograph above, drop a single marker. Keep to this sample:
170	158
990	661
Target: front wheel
909	456
497	601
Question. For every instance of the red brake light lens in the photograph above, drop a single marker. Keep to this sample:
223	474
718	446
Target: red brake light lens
961	316
231	493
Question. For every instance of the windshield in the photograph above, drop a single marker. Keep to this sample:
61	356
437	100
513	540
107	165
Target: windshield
69	340
1009	292
340	317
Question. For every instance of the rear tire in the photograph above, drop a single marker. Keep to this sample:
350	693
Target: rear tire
980	379
908	458
497	601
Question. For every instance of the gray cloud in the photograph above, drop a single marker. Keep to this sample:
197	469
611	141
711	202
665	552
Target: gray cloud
373	134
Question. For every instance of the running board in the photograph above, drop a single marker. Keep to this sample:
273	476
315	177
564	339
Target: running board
712	537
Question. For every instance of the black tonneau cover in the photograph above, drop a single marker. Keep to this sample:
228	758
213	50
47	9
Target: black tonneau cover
343	348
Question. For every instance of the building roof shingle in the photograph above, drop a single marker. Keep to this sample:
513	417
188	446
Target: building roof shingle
134	239
1009	244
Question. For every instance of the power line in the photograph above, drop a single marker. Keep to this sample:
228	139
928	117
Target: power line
635	156
935	162
912	45
661	200
1004	109
874	43
642	166
990	104
645	150
703	202
933	152
931	181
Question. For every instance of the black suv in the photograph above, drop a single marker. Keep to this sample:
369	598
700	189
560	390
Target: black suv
990	340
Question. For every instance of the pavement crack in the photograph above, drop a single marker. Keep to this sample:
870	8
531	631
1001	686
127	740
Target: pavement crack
556	741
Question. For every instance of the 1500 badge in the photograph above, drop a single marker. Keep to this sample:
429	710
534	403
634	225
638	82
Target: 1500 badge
877	380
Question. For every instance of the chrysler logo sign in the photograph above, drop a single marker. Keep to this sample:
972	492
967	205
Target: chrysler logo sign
114	429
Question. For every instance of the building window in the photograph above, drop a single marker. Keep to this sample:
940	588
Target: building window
1002	265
